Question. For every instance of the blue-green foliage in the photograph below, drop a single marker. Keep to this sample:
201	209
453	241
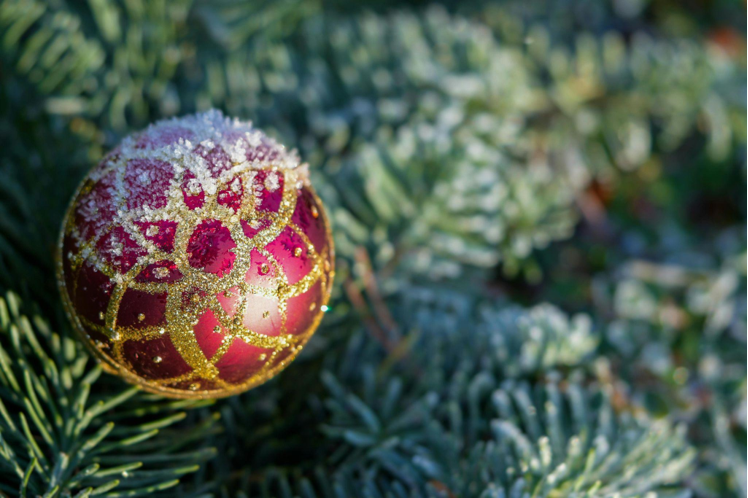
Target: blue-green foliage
486	137
478	161
63	434
492	410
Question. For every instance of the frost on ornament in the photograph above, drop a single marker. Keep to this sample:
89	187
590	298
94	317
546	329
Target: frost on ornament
196	259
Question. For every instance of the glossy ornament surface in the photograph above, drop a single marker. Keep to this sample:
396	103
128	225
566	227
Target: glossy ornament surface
196	259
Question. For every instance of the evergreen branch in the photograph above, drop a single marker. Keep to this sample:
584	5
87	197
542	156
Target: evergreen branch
54	438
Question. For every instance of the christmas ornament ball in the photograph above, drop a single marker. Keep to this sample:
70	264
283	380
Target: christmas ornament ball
196	259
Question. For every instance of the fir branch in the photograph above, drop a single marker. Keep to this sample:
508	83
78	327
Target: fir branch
65	431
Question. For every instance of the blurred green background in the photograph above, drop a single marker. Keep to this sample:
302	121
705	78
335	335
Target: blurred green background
529	198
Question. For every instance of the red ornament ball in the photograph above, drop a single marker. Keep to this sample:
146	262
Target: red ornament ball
196	259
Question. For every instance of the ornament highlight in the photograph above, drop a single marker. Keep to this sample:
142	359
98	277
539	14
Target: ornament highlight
196	259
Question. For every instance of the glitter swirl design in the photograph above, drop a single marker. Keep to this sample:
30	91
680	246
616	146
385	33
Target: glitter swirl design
196	259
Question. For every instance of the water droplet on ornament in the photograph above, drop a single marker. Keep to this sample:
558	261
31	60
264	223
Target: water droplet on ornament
157	359
264	269
312	306
315	212
141	317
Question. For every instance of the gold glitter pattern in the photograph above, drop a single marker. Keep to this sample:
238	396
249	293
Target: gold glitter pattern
198	292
